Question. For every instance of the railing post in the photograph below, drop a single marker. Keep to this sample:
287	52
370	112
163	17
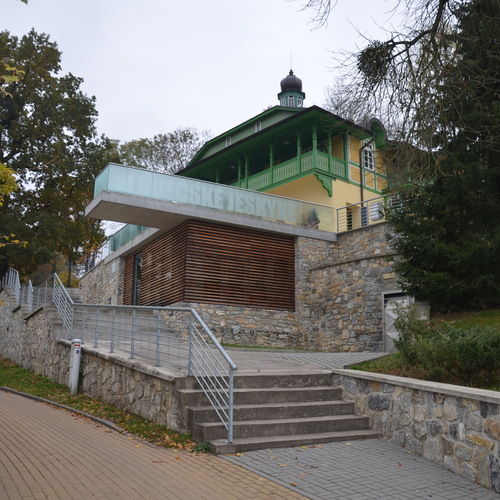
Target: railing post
190	359
230	406
95	326
112	338
157	356
132	340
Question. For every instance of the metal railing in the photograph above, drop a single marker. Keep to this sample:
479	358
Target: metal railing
63	303
11	280
29	295
365	213
173	336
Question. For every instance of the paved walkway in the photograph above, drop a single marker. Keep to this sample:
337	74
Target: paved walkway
256	360
360	470
51	453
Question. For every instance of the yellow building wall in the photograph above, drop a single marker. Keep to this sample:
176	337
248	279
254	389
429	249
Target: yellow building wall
308	188
338	147
354	147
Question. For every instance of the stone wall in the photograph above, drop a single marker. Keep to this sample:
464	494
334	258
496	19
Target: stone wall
456	427
338	297
32	342
103	284
341	296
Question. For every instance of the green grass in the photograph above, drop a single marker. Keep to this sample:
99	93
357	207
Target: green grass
489	317
15	377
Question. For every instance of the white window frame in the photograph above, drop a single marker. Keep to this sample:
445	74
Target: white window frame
228	141
368	157
291	101
258	126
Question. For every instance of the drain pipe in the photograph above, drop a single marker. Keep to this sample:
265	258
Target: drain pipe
74	365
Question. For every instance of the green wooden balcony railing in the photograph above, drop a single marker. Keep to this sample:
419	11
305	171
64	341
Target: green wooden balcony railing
294	167
307	163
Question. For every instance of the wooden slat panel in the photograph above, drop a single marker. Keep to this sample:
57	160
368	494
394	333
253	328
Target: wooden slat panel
228	265
210	263
163	267
128	280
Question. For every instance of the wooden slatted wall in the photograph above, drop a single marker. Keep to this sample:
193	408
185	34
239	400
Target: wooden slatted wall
228	265
211	263
163	268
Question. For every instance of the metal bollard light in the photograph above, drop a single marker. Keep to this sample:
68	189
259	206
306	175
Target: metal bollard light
74	365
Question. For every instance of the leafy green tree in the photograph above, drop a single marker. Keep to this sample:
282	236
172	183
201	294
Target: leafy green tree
167	153
448	229
435	83
48	139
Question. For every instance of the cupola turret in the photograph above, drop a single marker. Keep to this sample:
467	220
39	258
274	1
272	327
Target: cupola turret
291	95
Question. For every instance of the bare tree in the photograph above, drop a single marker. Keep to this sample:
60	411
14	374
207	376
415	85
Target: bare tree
166	153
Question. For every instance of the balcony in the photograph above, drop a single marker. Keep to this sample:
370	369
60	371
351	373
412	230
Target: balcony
150	199
311	162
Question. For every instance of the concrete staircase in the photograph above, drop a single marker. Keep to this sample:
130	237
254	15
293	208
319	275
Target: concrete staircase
273	411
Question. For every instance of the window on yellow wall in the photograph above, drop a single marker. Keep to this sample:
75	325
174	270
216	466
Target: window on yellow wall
368	157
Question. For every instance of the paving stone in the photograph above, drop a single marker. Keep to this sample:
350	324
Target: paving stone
368	469
47	452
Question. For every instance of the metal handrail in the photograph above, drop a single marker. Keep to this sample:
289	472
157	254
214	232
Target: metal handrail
63	302
29	296
365	213
11	279
157	335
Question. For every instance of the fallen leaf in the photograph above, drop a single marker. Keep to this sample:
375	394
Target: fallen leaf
158	461
178	458
138	445
293	484
282	465
238	454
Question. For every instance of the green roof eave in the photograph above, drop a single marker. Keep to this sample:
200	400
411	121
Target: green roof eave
300	117
235	129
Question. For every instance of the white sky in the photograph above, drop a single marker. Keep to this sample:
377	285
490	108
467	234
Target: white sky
154	65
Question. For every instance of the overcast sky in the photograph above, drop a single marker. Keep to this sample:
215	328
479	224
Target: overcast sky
155	65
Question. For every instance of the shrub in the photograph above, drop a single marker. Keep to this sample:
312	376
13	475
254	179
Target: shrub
411	331
447	351
467	354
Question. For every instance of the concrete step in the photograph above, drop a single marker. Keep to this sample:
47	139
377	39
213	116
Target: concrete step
209	431
194	397
272	411
220	446
272	380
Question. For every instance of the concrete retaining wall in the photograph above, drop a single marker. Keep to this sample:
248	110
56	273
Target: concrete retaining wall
456	427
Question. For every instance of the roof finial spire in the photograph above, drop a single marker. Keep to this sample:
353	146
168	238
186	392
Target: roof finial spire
291	95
